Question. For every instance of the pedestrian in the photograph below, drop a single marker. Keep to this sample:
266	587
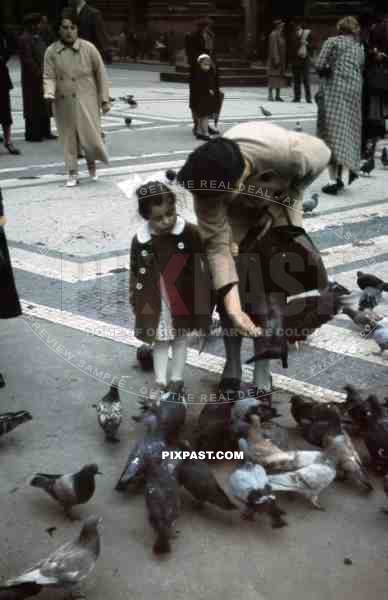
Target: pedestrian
276	61
248	190
375	105
5	87
205	95
340	67
299	55
76	84
46	31
201	41
123	45
9	299
31	53
91	27
169	286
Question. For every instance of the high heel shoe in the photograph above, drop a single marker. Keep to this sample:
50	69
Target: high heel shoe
11	149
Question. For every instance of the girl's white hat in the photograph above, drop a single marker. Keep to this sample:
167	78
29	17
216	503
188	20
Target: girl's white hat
202	57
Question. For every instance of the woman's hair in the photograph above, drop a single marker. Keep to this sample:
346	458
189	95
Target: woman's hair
69	14
348	25
212	167
153	193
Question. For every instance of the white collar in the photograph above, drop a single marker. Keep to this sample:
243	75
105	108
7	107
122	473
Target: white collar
145	232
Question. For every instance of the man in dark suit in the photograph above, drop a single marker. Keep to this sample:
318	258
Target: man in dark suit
91	27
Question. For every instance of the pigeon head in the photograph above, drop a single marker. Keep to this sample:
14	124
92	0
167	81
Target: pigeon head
90	470
296	400
89	531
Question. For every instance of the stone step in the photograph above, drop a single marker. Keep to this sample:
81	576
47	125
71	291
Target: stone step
229	71
225	81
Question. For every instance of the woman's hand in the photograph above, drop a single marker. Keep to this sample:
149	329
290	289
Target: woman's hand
241	321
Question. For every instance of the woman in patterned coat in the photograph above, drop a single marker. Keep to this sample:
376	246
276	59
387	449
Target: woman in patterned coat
340	66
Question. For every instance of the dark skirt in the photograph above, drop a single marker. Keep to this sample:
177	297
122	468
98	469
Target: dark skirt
5	108
9	299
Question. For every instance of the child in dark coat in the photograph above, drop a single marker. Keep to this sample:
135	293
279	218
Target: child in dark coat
169	287
205	96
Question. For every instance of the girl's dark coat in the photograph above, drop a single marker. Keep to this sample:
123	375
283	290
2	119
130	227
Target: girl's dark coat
181	260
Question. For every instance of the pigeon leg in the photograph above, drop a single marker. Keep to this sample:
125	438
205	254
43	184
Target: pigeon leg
315	502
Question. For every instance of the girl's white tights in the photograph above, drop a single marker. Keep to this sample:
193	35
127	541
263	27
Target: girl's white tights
160	355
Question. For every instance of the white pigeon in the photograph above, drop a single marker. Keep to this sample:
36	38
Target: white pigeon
308	481
67	566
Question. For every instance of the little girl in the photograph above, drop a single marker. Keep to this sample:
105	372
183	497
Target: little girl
169	288
205	97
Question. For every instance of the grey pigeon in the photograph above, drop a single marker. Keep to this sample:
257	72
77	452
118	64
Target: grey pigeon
310	204
152	444
365	280
10	420
67	566
364	320
265	111
197	478
128	121
250	486
370	298
384	157
110	414
162	501
380	336
298	127
368	166
308	481
69	489
348	461
170	412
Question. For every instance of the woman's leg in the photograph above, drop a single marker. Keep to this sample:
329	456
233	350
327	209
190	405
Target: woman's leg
7	140
278	98
270	94
179	352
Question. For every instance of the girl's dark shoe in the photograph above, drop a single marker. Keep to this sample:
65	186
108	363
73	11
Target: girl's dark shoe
11	149
352	177
279	99
332	188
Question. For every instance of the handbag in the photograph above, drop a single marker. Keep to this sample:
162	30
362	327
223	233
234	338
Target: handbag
377	79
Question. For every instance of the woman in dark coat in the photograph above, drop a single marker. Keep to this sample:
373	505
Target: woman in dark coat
31	52
5	87
9	300
375	102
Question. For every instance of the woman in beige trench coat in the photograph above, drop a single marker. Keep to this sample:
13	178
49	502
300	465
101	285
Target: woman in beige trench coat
76	83
276	61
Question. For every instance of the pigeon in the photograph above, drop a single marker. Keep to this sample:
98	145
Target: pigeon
162	501
144	356
251	405
347	459
308	481
338	288
357	407
2	381
380	336
109	413
368	166
152	445
264	452
11	420
265	112
250	486
376	435
369	298
364	320
214	427
315	419
170	412
70	489
310	204
128	121
367	280
197	478
129	99
298	127
171	175
67	566
384	156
